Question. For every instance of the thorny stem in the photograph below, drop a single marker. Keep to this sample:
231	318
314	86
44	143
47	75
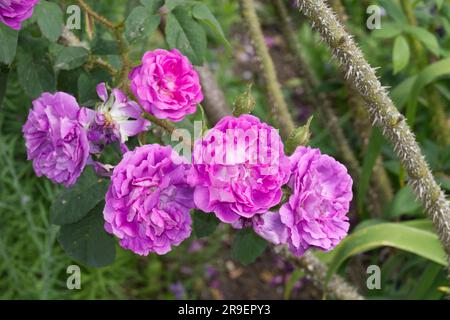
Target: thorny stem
317	272
279	107
383	113
95	15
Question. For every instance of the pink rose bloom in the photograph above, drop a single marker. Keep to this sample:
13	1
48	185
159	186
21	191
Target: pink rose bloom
148	201
316	212
166	84
55	138
238	169
13	12
115	119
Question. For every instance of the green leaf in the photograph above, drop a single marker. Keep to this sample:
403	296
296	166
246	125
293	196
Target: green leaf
201	12
74	203
8	40
424	78
185	34
50	19
87	242
404	202
152	5
87	83
247	246
402	92
140	23
35	76
204	223
394	10
4	73
172	4
400	54
373	150
389	30
296	275
70	58
428	39
397	235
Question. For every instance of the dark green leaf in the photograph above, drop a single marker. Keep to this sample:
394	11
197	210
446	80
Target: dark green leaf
247	246
152	5
204	223
428	39
389	30
172	4
393	9
87	82
74	203
50	19
201	12
373	150
104	47
35	76
397	235
8	43
185	34
404	203
4	73
87	242
140	23
70	58
400	54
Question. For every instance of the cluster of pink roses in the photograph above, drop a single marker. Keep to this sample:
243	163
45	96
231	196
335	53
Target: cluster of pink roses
153	189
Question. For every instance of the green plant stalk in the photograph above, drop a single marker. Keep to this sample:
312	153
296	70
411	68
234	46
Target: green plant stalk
383	113
437	107
329	118
279	107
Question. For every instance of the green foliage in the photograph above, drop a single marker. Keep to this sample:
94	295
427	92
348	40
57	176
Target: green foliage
404	203
401	54
69	58
86	240
50	19
74	203
8	39
247	246
397	235
185	34
204	224
372	153
142	21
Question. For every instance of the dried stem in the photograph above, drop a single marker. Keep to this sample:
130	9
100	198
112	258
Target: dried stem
382	112
216	106
279	107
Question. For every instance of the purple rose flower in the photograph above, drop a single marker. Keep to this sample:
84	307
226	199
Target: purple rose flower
315	214
238	169
13	12
166	84
116	119
55	138
148	202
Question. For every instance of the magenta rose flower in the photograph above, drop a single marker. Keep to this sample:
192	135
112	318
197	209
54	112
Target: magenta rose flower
115	119
55	138
238	169
13	12
148	201
166	84
316	212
